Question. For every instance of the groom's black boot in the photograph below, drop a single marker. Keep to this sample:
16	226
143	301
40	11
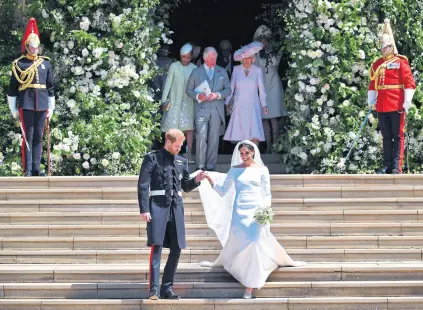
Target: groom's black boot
155	256
166	290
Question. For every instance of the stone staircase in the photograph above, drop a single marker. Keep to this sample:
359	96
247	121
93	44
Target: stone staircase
79	243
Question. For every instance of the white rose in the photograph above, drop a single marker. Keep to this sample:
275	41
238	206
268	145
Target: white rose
93	161
346	103
15	167
85	52
71	44
44	13
71	103
104	162
319	101
115	155
86	156
299	97
76	156
65	51
361	54
86	165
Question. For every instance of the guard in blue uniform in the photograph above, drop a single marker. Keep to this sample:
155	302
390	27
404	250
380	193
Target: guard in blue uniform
163	176
31	98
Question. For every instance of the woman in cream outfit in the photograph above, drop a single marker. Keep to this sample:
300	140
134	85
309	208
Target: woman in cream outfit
180	113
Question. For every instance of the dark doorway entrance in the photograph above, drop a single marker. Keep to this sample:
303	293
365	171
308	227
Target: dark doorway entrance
207	22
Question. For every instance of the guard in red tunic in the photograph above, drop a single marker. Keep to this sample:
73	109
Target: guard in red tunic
391	90
31	98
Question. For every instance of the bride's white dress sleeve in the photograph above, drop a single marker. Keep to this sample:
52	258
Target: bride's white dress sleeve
265	183
227	185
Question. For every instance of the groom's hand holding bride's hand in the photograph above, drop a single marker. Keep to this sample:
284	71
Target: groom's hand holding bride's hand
200	176
208	177
146	216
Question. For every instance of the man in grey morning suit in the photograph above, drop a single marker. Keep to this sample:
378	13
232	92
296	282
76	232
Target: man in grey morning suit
209	112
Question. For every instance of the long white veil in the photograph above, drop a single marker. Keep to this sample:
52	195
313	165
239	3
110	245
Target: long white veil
217	209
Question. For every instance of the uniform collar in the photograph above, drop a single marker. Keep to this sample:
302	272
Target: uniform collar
31	57
389	57
167	154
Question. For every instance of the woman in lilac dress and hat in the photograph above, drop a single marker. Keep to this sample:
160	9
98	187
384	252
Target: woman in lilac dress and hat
249	97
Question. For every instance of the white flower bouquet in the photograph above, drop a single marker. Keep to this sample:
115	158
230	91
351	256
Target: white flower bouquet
264	216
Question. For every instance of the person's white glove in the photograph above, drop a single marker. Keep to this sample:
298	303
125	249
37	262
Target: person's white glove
12	106
51	106
371	97
408	97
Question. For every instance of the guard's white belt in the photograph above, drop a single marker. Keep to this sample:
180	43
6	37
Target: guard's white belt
162	193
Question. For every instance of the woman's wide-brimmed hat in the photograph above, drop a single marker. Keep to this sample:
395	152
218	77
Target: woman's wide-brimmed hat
262	32
248	51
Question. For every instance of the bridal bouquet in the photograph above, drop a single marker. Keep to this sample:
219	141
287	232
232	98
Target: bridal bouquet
264	216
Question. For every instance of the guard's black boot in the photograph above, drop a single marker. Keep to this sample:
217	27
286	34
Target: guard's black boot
38	173
396	171
28	173
385	170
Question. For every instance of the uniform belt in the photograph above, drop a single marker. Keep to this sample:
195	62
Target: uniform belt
390	86
162	192
34	86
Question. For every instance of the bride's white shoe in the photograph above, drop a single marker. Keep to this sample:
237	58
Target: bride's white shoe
247	293
206	264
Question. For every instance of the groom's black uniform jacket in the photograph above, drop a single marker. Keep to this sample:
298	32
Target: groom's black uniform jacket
160	171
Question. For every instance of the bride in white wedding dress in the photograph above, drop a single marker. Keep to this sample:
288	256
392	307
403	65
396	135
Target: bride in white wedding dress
250	251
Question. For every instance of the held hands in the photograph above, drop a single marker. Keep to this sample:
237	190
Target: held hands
146	216
265	110
209	178
200	176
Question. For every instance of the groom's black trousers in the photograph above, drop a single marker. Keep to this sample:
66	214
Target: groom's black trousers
172	261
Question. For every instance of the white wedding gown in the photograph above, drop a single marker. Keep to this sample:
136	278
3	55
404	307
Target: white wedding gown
250	251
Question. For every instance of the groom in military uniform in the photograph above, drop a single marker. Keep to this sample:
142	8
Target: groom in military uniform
31	98
163	175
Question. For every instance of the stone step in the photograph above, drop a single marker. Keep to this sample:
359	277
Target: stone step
278	191
197	217
202	230
213	290
23	273
310	303
278	204
308	180
194	242
284	192
142	256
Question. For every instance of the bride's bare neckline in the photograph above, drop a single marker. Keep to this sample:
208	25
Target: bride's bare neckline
242	166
